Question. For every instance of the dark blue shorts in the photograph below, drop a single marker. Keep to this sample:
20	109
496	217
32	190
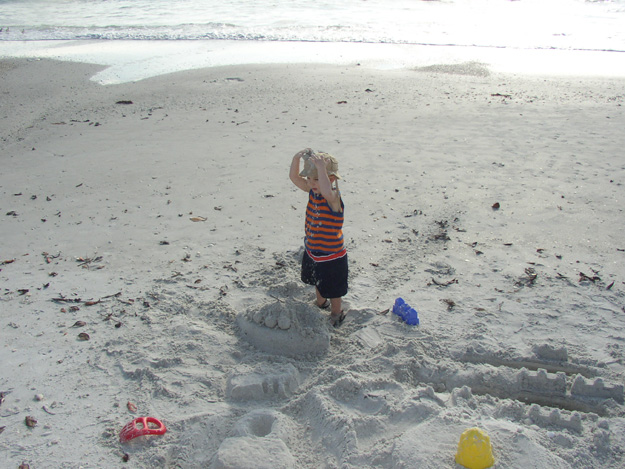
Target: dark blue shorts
330	277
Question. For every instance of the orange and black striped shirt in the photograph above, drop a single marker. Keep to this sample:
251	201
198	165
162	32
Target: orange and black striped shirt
324	229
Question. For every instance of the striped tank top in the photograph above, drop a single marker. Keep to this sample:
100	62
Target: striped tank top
324	229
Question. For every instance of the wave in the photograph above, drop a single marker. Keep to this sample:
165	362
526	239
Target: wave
211	31
232	32
190	31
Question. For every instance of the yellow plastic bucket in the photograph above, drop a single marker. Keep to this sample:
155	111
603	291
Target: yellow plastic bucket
475	450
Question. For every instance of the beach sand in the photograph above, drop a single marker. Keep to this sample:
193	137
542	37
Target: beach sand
150	267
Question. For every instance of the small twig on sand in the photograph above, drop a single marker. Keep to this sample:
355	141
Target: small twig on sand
86	262
114	295
276	298
583	277
62	299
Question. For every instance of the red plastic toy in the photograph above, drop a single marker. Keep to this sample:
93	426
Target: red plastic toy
131	430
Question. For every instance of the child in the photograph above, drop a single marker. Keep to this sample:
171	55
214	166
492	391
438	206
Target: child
325	259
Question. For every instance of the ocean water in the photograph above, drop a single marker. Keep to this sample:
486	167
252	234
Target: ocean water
388	33
561	24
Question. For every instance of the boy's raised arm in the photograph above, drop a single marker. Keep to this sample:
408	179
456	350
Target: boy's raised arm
325	185
298	180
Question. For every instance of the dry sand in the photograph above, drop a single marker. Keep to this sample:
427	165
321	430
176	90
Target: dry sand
169	228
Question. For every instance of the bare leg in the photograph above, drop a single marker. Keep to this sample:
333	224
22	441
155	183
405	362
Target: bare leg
320	299
337	315
336	308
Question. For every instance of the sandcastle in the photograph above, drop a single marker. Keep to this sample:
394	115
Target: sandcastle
286	327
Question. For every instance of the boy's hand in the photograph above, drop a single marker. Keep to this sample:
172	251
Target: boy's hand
320	163
305	153
298	180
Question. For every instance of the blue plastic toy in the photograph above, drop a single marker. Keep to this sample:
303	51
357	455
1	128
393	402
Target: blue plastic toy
404	311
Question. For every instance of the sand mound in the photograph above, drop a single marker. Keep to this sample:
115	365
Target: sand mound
258	442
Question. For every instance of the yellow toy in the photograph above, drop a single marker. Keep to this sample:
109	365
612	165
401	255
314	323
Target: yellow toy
474	449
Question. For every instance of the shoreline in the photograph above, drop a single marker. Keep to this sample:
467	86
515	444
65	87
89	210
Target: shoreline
99	198
128	61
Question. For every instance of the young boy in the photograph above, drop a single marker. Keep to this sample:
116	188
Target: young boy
325	259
